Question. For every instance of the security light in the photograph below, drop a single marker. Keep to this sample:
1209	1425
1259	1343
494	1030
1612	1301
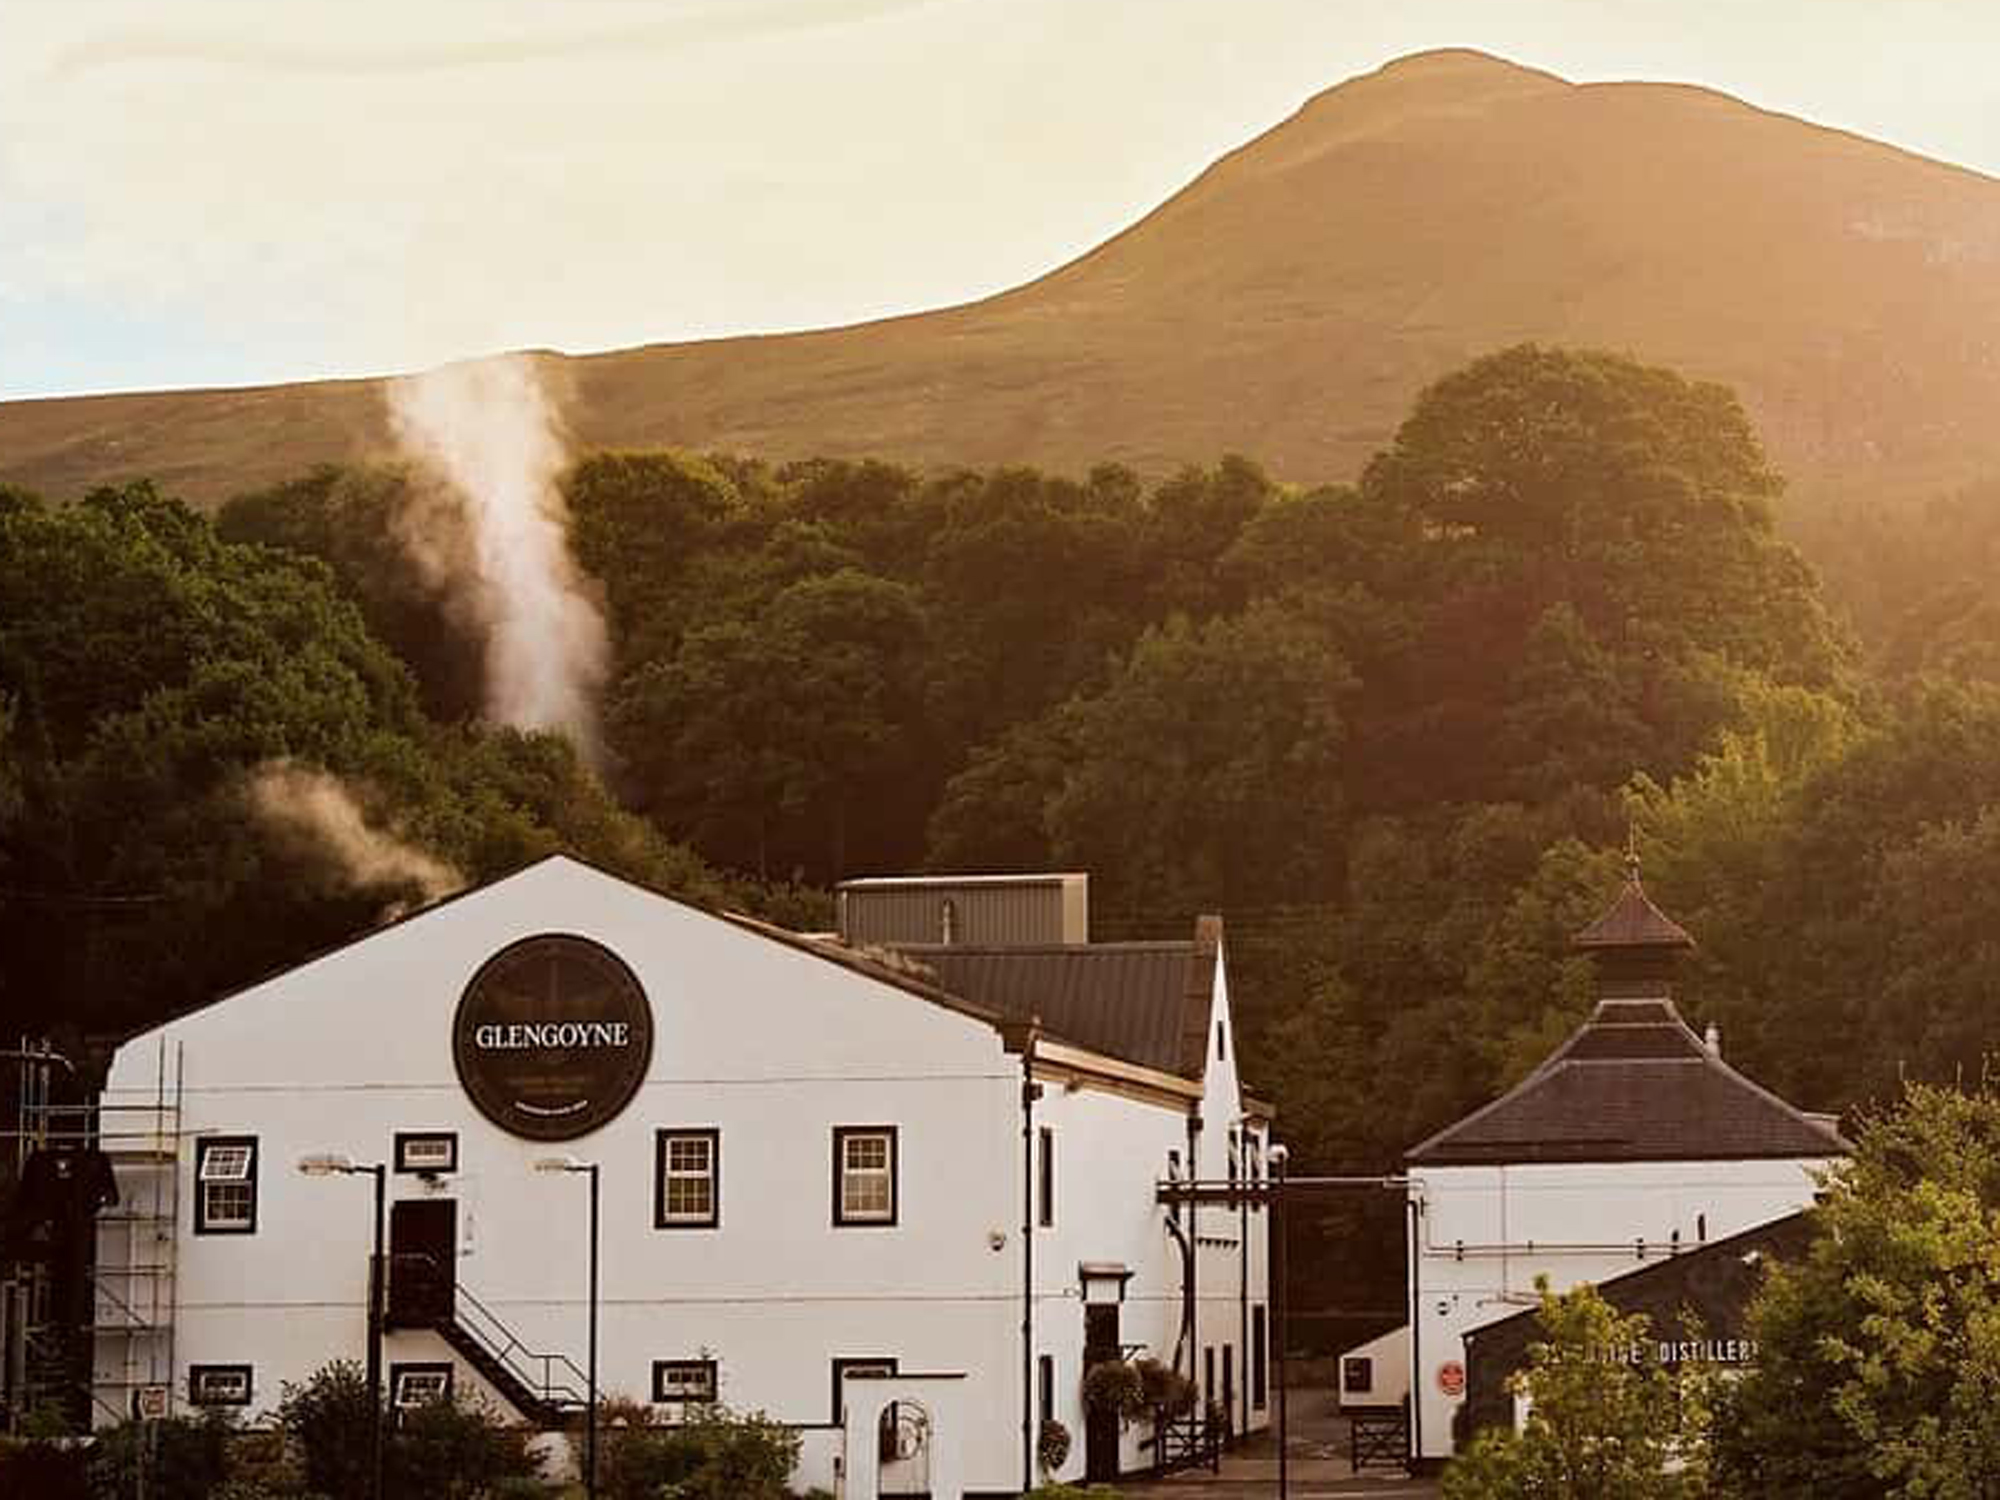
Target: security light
560	1164
325	1164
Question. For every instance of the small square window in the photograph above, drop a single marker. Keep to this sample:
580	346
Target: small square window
864	1174
219	1385
684	1382
225	1185
428	1151
419	1385
1357	1376
687	1189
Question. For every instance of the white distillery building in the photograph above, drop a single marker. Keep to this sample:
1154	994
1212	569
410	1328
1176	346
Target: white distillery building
1632	1142
836	1178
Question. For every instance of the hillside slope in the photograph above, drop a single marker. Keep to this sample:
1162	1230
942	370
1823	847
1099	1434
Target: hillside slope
1291	301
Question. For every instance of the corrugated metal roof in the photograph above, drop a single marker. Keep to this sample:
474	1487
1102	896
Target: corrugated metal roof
1632	1084
1127	1000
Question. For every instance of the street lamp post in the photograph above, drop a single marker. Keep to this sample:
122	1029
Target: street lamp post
1280	1157
327	1165
571	1164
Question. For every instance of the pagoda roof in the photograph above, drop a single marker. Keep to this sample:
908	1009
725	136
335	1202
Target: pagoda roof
1633	1083
1633	921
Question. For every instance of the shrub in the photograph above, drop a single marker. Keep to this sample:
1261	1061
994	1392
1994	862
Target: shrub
446	1450
1114	1386
328	1418
716	1454
455	1450
1166	1389
1070	1492
179	1458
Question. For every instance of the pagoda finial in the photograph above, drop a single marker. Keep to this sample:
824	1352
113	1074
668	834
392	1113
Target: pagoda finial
1631	851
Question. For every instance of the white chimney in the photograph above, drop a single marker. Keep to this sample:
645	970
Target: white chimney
1712	1039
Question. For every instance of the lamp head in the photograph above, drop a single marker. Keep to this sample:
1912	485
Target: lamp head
560	1164
325	1164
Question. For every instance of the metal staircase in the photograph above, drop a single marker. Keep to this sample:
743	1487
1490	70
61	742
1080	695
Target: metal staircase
544	1388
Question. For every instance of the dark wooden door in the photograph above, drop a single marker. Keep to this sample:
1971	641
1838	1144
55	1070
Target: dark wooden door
1100	1428
423	1256
1229	1388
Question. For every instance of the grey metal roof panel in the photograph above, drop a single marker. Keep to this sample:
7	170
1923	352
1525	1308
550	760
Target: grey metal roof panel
1126	1000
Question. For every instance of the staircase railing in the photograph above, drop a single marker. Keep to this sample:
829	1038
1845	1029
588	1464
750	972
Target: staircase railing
554	1379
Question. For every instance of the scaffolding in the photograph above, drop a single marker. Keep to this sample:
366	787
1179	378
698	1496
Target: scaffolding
127	1344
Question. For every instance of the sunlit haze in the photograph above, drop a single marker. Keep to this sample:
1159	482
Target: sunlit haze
224	192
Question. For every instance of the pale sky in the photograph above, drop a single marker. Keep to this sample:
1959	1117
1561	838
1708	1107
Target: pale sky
200	192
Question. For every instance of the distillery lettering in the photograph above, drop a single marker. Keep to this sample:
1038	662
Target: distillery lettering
520	1036
1681	1351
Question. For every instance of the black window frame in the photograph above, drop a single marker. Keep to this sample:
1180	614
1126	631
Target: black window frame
202	1146
847	1362
420	1367
196	1374
707	1366
842	1219
1260	1357
404	1139
666	1133
1045	1179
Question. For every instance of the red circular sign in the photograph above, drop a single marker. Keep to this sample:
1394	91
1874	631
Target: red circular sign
1451	1378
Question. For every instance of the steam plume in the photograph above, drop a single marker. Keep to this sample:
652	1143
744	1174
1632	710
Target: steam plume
315	812
489	431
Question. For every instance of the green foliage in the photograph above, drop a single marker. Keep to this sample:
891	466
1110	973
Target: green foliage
1879	1354
328	1417
179	1458
1597	1425
457	1450
712	1454
1113	1385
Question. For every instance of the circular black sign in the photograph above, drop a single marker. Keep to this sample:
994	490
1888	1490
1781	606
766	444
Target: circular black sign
552	1037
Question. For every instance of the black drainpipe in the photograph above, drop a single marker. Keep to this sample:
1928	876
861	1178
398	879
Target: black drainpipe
1416	1316
1030	1091
1193	1309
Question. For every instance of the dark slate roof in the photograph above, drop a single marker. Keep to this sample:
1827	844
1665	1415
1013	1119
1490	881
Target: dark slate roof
1632	1084
1143	1003
1634	922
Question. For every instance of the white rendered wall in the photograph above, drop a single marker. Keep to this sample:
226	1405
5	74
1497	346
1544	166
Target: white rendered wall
770	1045
1485	1233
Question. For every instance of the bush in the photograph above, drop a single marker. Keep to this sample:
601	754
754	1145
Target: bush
455	1450
716	1454
328	1418
446	1450
1165	1388
47	1471
1070	1492
1114	1386
180	1458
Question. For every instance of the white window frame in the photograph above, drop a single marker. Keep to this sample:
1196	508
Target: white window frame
671	1386
666	1174
225	1167
219	1385
412	1147
848	1209
432	1383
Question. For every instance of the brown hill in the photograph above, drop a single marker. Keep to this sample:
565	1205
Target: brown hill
1292	300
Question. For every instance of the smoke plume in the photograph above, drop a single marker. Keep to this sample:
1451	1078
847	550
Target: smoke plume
315	812
496	537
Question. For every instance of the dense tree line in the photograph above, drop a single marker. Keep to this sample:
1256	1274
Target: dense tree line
1396	732
148	670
